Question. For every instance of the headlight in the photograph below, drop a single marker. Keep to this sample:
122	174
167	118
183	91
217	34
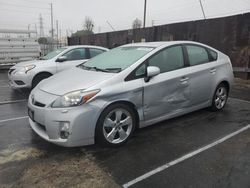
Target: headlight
75	98
28	68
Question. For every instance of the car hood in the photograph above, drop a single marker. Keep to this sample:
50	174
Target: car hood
32	62
72	80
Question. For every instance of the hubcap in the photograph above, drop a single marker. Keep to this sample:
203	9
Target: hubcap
221	97
117	126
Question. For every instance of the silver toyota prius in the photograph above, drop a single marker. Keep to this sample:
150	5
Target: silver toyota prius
105	99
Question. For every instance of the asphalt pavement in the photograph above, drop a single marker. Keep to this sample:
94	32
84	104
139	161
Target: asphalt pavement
28	161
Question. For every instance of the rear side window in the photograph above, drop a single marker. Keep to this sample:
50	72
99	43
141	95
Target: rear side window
168	59
197	55
76	54
94	52
213	55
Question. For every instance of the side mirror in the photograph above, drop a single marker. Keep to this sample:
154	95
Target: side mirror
61	59
151	72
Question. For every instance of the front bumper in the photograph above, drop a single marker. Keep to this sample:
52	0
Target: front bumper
47	122
20	79
44	135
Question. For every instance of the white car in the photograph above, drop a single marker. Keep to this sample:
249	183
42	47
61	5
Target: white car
28	74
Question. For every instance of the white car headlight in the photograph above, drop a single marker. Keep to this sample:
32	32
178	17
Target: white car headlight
28	68
75	98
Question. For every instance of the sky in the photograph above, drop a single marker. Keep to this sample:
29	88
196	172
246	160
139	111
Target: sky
19	14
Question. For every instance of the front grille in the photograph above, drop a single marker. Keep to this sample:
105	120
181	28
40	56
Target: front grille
36	103
11	70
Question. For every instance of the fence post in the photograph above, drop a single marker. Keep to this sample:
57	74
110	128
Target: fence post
107	40
155	33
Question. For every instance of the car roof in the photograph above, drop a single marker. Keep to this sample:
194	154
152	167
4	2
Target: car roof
85	46
162	43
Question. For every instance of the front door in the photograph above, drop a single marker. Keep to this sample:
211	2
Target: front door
169	92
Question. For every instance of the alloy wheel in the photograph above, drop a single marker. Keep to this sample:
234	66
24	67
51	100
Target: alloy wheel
220	97
117	126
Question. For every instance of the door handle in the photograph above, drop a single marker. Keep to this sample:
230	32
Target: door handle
184	79
213	70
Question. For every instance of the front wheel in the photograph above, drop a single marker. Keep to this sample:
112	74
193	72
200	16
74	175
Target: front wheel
115	125
38	78
220	97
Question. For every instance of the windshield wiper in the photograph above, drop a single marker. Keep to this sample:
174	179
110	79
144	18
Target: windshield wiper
114	70
83	67
98	69
92	68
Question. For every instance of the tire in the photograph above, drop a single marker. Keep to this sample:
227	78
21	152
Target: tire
38	78
220	97
110	131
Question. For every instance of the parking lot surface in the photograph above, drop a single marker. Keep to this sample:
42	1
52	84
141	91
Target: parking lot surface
28	161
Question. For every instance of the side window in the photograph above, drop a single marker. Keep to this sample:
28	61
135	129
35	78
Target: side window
140	71
213	55
168	59
197	55
94	52
76	54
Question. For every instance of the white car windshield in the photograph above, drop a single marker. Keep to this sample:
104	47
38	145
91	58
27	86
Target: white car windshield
117	59
53	54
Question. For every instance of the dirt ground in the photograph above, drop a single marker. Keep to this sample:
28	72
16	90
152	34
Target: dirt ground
77	170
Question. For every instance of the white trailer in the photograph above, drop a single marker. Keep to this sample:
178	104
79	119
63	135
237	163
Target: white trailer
17	45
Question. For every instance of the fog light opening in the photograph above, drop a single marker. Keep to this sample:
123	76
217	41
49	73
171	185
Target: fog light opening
64	132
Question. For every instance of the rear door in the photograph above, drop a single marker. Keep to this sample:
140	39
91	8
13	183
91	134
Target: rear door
201	73
74	58
169	92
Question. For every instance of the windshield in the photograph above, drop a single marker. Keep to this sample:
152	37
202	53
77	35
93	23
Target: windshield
53	54
117	59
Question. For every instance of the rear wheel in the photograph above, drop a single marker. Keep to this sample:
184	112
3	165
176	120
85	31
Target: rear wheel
39	77
220	97
115	125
